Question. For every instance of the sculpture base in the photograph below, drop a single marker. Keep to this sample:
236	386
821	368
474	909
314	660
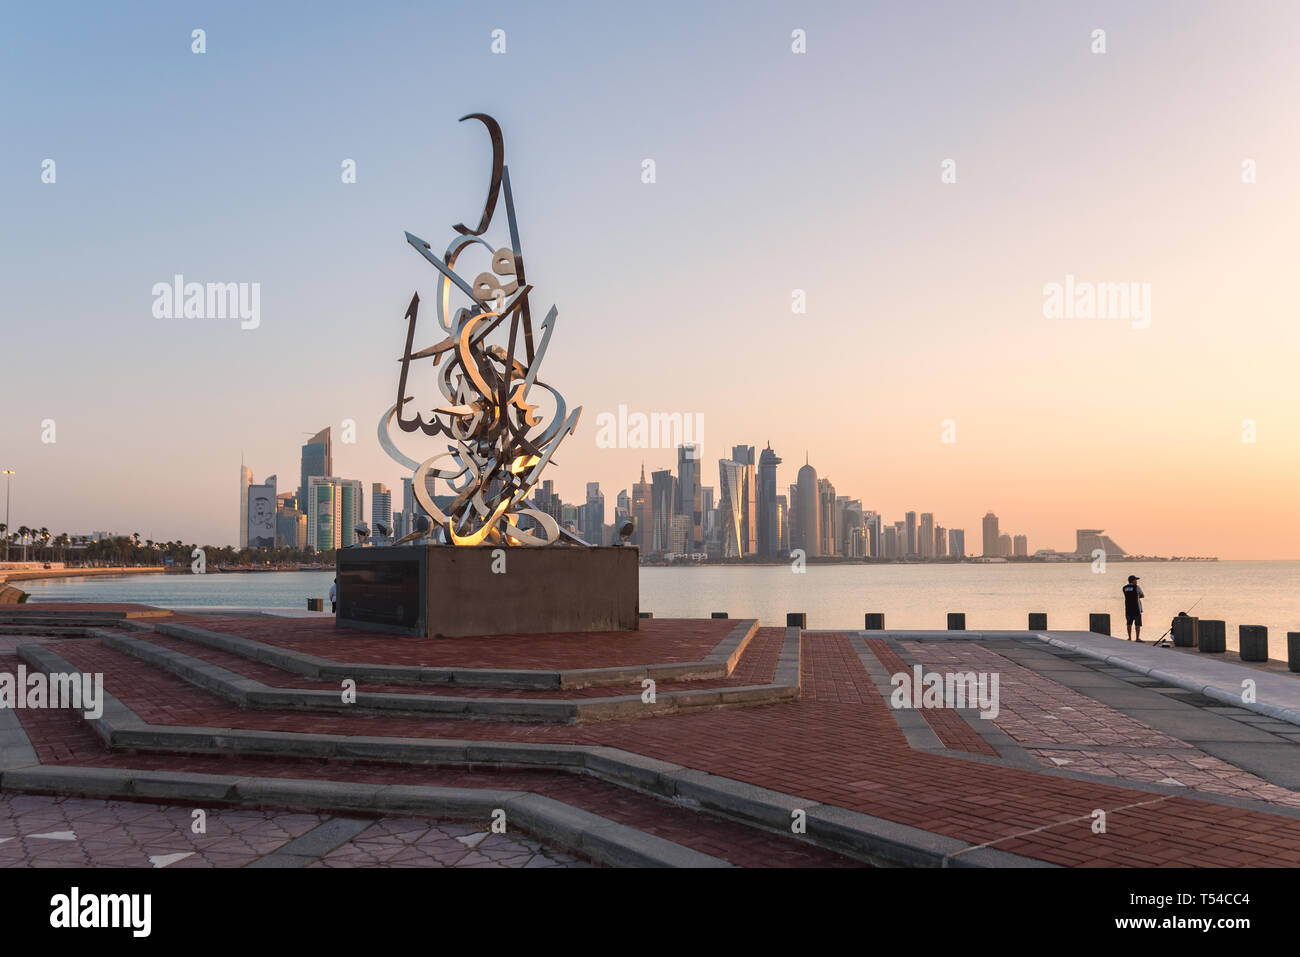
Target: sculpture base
446	591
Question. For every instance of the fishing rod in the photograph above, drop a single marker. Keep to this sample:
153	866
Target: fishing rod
1171	627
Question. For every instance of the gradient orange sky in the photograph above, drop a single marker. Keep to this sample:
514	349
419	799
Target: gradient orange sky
775	172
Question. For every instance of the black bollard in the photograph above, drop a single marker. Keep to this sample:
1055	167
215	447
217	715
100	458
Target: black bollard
1186	632
1212	636
1038	621
647	614
1252	642
719	614
1099	624
796	619
956	621
875	621
1293	650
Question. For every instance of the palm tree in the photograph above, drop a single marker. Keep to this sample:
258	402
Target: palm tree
23	532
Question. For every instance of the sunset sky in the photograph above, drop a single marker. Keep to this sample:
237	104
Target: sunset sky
775	172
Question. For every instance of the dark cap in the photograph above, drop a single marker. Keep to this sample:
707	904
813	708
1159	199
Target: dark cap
1132	578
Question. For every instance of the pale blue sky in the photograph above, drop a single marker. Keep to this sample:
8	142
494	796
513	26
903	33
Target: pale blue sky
775	172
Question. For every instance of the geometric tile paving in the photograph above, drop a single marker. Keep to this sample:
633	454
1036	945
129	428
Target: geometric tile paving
395	842
1036	710
38	831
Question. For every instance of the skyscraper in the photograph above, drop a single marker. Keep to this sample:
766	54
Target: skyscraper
828	532
290	523
381	508
792	518
643	513
593	515
808	512
664	493
743	455
317	459
688	491
925	544
1020	546
245	480
731	494
334	507
622	507
957	543
710	518
940	542
769	532
910	519
853	541
873	522
260	532
990	535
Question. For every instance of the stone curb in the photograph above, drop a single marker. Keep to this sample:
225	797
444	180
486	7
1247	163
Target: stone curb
717	664
1289	715
35	613
16	749
830	827
551	821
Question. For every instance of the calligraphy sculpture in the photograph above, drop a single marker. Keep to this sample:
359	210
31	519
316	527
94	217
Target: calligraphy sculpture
498	442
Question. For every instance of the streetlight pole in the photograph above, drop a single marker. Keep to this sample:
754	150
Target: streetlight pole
8	473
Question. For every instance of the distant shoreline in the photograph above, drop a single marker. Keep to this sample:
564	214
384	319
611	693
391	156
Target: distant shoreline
37	574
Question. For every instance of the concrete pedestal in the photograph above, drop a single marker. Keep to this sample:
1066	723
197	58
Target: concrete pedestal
447	591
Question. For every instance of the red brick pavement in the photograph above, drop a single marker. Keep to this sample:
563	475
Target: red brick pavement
951	728
839	744
659	641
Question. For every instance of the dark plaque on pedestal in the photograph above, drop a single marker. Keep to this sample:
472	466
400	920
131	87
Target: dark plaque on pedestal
449	591
382	587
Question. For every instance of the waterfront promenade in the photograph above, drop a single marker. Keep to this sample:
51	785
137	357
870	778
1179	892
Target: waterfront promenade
758	747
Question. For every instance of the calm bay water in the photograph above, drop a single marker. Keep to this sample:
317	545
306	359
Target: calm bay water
834	596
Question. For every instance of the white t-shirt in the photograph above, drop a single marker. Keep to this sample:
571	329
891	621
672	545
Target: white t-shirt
333	592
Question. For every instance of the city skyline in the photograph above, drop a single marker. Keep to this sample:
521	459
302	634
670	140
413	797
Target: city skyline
923	301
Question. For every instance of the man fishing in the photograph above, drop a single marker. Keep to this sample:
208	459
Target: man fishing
1133	596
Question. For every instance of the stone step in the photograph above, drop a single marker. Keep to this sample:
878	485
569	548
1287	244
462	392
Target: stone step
249	692
828	827
719	663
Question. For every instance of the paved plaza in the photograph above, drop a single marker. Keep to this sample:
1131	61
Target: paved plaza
688	743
